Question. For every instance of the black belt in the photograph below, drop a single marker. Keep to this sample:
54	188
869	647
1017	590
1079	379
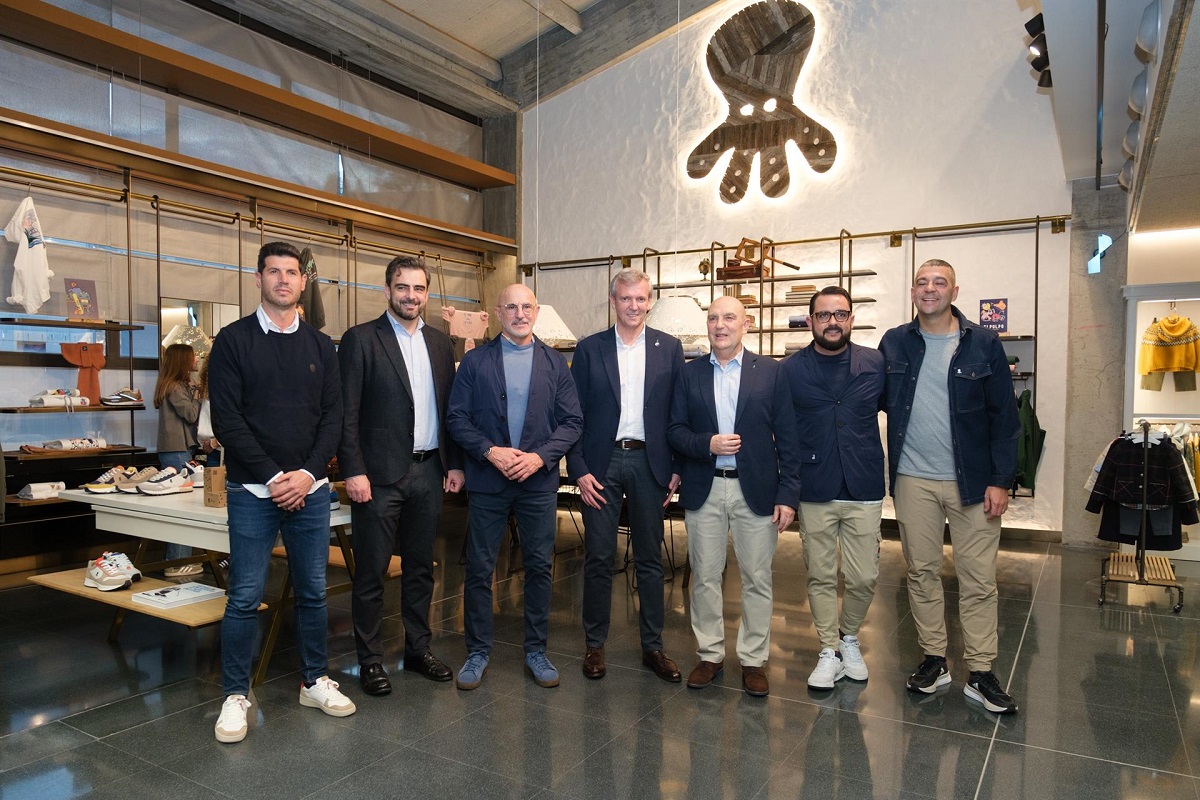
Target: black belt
629	444
725	473
424	455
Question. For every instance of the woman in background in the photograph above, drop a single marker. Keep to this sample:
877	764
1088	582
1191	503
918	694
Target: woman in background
178	405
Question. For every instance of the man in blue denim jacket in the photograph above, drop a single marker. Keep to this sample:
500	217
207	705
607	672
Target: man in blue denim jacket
952	451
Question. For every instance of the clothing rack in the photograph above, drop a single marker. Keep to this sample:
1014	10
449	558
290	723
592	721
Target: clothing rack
1139	568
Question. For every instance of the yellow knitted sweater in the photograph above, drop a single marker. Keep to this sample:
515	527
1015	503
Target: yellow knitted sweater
1170	345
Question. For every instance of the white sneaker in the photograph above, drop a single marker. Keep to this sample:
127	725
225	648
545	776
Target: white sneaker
852	660
167	481
231	725
829	670
324	695
183	571
122	562
104	575
129	483
197	473
107	483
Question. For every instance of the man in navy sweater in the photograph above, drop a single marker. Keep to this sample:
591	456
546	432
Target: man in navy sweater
836	389
515	413
276	400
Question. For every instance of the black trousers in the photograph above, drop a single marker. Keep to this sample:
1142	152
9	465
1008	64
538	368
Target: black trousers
629	477
400	518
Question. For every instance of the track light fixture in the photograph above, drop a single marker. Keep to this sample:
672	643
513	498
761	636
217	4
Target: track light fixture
1045	81
1041	62
1147	35
1125	177
1133	139
1140	93
1035	26
1038	45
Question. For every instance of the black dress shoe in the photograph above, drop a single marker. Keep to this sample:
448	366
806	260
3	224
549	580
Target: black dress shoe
374	679
663	667
593	663
427	664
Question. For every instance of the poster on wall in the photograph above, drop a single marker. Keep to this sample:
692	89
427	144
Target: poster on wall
81	299
993	314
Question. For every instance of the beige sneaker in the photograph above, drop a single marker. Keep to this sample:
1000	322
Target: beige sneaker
324	695
129	483
184	571
231	725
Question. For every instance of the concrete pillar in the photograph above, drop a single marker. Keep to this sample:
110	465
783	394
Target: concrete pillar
1096	348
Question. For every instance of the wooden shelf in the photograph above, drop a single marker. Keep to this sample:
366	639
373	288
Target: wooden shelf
87	325
802	330
797	278
750	306
1013	337
63	410
114	450
1022	376
15	500
193	616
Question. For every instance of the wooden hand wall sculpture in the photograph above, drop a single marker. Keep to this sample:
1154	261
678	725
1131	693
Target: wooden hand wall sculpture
755	58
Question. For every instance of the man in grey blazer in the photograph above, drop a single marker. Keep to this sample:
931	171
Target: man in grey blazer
625	377
397	459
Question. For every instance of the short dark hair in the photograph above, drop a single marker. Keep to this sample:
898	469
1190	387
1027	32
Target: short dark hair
826	292
277	249
405	262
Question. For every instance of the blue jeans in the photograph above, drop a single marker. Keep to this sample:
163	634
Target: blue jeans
176	459
536	521
253	523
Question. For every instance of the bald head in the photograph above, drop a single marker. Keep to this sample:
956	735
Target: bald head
727	324
517	309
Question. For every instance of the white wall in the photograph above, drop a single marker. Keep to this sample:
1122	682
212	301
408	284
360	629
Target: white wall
1164	257
937	119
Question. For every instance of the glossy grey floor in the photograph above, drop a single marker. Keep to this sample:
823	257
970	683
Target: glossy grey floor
1110	702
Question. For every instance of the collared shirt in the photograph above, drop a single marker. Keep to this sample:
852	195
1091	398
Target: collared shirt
631	367
727	380
420	378
262	490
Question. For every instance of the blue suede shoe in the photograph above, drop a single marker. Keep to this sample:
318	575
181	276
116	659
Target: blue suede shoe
472	672
543	672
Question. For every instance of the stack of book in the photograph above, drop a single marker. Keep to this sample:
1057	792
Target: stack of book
800	293
181	594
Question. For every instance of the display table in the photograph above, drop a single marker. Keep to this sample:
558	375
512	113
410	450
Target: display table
184	519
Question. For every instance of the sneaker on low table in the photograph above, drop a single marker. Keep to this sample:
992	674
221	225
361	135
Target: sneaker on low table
122	562
184	571
167	481
107	483
106	576
197	473
129	483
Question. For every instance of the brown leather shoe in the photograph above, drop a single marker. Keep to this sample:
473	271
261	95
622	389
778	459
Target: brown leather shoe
663	666
754	681
593	663
704	674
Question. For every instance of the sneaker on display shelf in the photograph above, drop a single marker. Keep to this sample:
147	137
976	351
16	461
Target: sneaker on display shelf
184	571
105	576
197	473
125	397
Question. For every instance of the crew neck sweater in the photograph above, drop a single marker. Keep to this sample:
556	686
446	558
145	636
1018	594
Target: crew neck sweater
276	400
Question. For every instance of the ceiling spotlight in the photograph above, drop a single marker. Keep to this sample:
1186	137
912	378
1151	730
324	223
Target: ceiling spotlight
1133	138
1045	81
1035	26
1147	35
770	105
1041	62
747	109
1139	94
1038	45
1125	177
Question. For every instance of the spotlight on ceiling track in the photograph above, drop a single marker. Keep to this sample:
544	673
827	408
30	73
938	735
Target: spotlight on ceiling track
1035	26
1147	35
1125	177
1045	81
1139	93
1038	45
1041	62
1133	138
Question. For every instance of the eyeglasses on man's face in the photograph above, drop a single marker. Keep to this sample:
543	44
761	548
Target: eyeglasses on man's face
841	315
511	308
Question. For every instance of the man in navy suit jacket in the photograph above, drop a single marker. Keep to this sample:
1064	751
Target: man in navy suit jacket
733	424
515	413
625	377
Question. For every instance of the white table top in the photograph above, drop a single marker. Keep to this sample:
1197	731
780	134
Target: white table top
186	507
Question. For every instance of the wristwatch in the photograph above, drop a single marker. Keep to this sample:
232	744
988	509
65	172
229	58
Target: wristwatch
488	452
